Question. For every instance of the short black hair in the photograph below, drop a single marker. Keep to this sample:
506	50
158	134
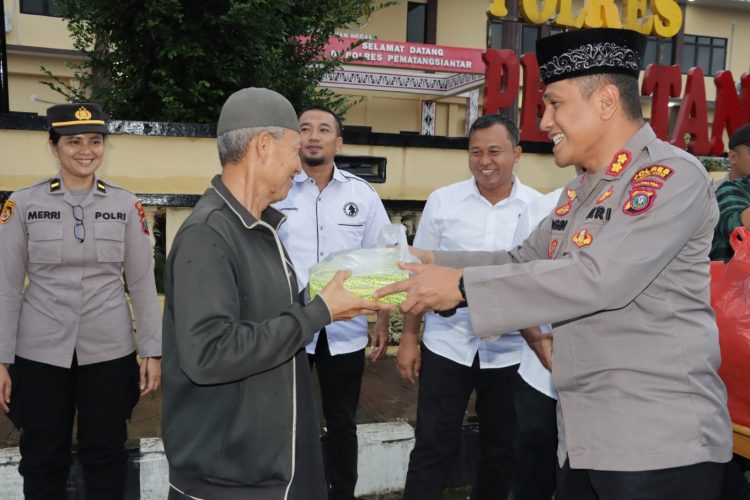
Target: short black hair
325	109
487	121
630	97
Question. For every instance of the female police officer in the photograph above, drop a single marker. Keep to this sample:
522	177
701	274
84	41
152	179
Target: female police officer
69	334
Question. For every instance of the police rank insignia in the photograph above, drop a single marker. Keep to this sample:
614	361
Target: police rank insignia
604	196
582	238
142	216
552	249
8	210
619	162
563	209
351	209
644	186
571	194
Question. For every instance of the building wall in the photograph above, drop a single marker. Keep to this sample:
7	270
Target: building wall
182	165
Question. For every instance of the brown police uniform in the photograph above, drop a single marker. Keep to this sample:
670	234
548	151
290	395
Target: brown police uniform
621	269
75	300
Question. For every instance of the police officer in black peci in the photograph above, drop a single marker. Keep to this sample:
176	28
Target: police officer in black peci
67	342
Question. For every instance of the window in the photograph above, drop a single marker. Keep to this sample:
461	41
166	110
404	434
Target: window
495	35
41	8
658	51
707	52
529	35
416	22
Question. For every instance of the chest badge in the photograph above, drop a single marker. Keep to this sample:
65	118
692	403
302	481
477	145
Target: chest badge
619	162
351	209
582	238
564	209
571	194
8	210
552	248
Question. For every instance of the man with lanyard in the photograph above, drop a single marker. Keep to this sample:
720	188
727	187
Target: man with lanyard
479	213
621	270
327	211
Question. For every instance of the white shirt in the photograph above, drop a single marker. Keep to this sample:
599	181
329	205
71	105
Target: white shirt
347	214
532	370
458	217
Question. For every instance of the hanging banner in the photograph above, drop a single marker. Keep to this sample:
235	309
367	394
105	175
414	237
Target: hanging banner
407	55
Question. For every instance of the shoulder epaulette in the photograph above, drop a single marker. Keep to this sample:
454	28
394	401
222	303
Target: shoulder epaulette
100	186
54	185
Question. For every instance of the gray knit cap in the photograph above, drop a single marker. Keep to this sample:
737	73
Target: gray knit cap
256	107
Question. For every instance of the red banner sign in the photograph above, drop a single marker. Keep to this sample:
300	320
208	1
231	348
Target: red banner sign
407	55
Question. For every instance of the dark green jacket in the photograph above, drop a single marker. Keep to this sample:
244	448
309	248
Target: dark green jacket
239	418
733	198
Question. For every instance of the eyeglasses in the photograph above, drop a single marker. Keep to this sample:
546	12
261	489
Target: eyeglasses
78	230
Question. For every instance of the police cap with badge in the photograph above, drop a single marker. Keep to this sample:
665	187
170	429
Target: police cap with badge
77	118
589	52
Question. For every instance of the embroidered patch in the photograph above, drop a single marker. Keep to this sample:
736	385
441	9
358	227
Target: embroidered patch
661	171
563	209
9	209
582	238
572	195
552	248
604	196
590	55
351	209
641	200
619	162
648	183
142	215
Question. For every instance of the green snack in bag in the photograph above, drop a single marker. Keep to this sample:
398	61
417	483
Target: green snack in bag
363	286
371	268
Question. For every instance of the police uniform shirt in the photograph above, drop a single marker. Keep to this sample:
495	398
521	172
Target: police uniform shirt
620	268
458	217
75	300
347	214
531	370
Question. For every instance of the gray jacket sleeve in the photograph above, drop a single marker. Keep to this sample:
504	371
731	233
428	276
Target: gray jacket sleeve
13	266
139	272
620	263
214	345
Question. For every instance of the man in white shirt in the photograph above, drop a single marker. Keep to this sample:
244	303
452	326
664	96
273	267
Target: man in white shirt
536	397
327	211
480	213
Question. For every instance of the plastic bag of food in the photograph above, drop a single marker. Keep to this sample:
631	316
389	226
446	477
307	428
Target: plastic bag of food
372	268
730	298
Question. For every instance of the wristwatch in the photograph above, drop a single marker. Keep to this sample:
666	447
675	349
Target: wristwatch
461	288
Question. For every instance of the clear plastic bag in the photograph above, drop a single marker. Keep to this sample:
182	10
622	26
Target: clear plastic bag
372	268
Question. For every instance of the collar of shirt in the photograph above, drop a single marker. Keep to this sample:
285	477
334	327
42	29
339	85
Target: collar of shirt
270	215
337	176
99	189
517	192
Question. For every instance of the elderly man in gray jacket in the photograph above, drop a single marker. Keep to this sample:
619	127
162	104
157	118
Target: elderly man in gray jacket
239	418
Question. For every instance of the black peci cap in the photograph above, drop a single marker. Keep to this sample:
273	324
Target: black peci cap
77	118
589	52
